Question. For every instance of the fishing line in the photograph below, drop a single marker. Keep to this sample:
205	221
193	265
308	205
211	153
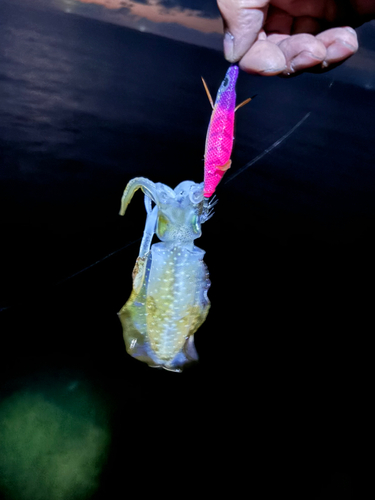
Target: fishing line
245	167
268	150
279	141
257	158
254	160
64	280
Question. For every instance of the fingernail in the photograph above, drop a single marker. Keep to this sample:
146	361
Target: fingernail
228	46
325	64
351	30
304	60
346	44
272	71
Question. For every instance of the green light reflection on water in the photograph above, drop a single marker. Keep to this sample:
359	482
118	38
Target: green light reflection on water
54	443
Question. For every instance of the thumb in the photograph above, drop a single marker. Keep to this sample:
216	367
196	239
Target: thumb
243	19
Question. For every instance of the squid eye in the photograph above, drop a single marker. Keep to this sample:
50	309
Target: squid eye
196	194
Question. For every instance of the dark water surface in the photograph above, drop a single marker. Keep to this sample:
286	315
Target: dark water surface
85	106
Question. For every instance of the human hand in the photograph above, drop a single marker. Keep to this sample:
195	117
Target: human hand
285	36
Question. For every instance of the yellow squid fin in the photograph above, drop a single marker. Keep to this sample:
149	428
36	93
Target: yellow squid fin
208	93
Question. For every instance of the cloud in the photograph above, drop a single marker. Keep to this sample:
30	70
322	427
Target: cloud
207	8
198	9
158	16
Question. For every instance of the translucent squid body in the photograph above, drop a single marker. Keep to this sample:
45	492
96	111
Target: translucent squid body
170	280
169	300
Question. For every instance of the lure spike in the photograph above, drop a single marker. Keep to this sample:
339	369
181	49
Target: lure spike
208	93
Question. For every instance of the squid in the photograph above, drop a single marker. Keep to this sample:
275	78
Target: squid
169	300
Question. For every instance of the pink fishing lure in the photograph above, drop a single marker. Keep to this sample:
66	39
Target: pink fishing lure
219	140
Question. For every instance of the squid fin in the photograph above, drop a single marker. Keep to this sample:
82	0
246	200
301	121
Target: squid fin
208	93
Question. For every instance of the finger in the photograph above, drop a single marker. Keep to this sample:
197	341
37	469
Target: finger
243	19
264	58
302	51
276	39
340	43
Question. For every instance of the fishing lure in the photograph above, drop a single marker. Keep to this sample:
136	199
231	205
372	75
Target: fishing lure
219	139
169	300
